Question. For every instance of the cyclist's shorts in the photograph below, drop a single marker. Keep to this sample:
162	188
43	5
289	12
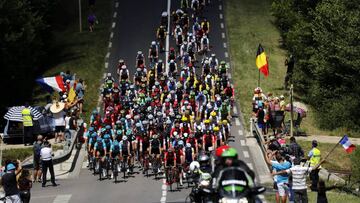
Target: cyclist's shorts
155	151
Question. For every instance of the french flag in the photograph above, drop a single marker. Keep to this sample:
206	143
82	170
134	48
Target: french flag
52	83
345	142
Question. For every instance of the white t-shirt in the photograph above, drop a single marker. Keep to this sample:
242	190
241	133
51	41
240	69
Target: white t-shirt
46	153
67	122
59	118
299	174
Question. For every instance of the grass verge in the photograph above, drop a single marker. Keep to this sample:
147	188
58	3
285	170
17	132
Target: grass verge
332	196
338	160
250	23
22	153
81	53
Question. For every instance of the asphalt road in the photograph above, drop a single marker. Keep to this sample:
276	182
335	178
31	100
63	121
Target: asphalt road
133	29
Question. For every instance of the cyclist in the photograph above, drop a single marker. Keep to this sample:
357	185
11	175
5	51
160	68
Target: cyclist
161	35
125	150
205	26
99	150
115	152
140	60
153	53
155	149
204	45
124	73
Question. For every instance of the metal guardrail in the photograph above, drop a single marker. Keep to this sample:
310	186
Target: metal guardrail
258	136
69	146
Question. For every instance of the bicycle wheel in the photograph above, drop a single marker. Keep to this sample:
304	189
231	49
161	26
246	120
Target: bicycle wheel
100	171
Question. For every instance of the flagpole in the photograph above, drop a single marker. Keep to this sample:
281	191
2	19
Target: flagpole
328	154
259	79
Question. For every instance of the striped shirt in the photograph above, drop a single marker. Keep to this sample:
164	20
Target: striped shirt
299	174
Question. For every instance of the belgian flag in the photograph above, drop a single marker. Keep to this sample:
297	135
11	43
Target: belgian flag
261	61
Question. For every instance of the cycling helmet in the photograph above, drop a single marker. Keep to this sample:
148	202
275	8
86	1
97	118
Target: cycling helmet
186	135
194	165
155	136
128	116
145	122
150	117
181	143
172	61
207	121
204	158
216	128
188	145
103	130
222	63
160	61
168	121
10	167
124	138
213	113
230	153
138	125
220	150
119	132
118	122
107	136
139	52
121	61
108	127
94	134
213	55
184	119
128	132
159	114
99	139
176	134
95	112
225	122
91	129
109	74
123	67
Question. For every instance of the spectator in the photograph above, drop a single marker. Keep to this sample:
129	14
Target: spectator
296	151
314	156
59	118
36	161
28	124
261	118
91	20
73	121
25	184
8	181
80	89
298	186
46	158
281	181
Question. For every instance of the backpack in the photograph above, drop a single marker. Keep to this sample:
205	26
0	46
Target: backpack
188	154
37	149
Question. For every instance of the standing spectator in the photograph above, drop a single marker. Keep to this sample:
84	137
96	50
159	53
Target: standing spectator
314	156
46	158
296	152
299	187
91	20
261	118
282	180
36	162
59	117
28	124
80	89
8	181
322	189
25	185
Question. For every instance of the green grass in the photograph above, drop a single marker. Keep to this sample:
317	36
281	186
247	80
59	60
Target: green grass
22	153
250	23
81	53
338	160
333	197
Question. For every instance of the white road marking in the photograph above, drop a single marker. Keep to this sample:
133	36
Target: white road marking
223	35
235	110
115	14
220	7
237	122
107	55
246	154
163	199
116	4
106	65
111	35
110	44
113	25
250	166
225	46
240	132
62	198
222	25
221	16
226	55
167	36
242	142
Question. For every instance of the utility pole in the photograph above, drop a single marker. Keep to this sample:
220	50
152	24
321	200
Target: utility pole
291	111
80	23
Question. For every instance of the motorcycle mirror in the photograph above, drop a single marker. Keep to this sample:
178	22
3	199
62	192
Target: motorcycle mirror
257	190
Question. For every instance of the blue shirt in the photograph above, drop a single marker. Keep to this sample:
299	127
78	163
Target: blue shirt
97	147
284	178
114	144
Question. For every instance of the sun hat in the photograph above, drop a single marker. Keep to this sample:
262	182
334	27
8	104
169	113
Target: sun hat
56	107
